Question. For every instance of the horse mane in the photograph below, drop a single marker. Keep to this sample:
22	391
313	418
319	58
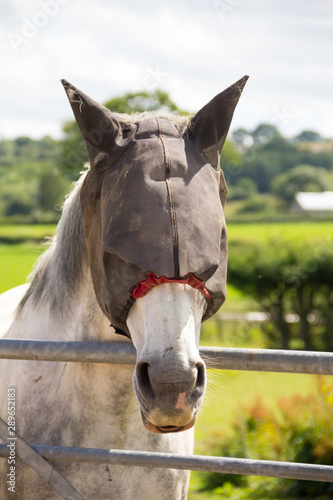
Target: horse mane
59	271
181	122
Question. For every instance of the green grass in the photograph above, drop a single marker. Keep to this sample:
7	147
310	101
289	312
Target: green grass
20	246
262	232
248	232
16	263
25	232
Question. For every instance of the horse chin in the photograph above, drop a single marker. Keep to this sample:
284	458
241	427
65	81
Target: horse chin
165	429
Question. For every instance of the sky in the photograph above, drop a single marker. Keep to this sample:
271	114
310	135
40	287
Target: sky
193	49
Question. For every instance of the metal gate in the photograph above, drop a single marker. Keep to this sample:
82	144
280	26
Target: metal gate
123	353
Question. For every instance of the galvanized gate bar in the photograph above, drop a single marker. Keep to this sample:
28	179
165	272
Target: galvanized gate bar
268	360
221	465
34	459
87	352
215	357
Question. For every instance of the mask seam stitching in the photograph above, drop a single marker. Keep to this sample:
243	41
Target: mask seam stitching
172	207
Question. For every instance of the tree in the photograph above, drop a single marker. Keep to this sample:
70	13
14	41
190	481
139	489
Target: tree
269	155
231	161
29	188
52	189
242	138
261	167
19	199
6	149
300	178
243	189
264	133
296	277
23	146
48	148
308	136
73	151
256	271
143	101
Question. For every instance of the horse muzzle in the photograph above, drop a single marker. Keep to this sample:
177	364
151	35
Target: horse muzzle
166	429
169	399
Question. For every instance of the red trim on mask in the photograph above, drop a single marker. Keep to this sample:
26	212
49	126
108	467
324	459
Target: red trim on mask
144	286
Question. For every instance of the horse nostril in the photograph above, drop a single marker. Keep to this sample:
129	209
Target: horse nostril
201	378
165	385
143	379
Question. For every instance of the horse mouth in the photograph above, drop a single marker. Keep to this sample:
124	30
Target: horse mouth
165	429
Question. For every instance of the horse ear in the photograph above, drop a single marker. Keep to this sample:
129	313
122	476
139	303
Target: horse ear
211	124
103	135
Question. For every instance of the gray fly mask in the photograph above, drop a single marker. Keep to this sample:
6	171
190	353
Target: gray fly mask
152	202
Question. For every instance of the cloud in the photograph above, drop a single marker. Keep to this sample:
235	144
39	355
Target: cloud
196	48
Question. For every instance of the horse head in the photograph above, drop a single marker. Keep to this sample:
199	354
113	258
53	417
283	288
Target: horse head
152	207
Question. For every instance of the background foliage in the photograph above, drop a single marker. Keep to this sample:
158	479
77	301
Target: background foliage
297	277
299	431
263	169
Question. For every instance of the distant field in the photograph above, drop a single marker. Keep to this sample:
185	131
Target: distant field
20	247
16	263
247	232
286	230
29	232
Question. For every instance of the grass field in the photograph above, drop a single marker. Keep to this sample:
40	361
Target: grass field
249	232
287	230
23	233
16	263
20	247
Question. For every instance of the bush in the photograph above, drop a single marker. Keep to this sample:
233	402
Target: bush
299	178
289	277
301	432
253	204
243	189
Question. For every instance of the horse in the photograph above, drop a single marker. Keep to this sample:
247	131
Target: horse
139	256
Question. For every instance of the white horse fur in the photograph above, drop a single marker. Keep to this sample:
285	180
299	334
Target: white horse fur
93	405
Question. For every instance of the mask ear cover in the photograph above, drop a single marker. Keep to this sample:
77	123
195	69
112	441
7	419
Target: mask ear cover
105	138
211	124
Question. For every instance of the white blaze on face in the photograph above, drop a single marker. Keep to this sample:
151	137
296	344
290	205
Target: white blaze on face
169	379
167	320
